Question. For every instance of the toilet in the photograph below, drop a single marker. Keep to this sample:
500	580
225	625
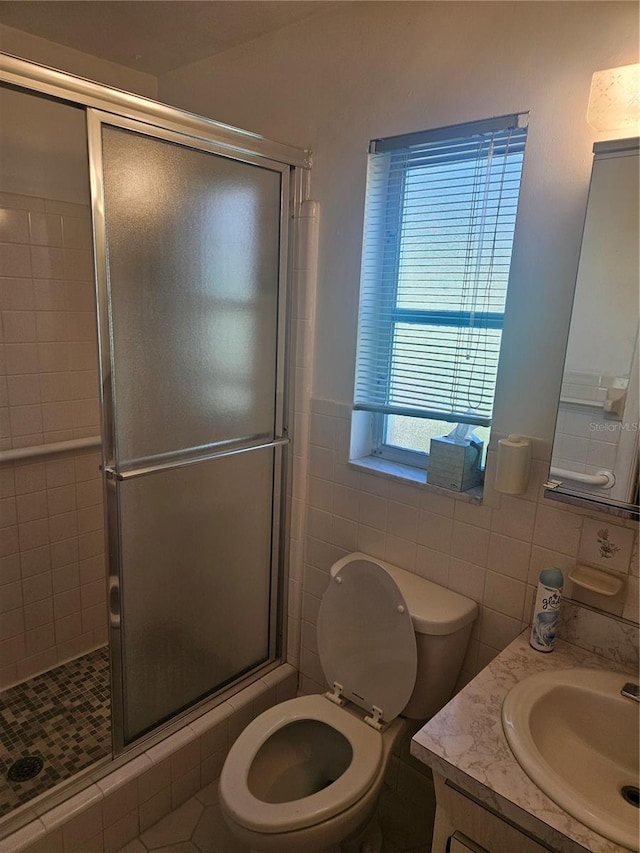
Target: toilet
305	775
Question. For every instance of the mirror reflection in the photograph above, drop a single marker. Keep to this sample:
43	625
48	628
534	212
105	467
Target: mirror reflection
595	449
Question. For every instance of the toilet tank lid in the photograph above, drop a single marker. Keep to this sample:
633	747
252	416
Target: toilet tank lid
434	609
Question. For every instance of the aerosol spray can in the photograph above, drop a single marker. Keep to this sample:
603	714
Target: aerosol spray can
545	612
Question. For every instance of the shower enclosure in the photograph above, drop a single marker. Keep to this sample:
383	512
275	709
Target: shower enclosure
190	252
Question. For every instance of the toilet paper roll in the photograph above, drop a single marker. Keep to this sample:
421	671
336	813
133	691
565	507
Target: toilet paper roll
514	461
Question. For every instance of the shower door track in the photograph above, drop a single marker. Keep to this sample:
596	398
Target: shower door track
77	90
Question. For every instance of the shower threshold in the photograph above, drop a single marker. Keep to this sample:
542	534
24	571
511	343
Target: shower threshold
61	718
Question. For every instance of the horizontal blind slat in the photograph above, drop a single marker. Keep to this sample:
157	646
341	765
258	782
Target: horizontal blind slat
439	224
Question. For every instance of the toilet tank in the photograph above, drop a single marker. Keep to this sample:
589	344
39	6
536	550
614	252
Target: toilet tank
442	620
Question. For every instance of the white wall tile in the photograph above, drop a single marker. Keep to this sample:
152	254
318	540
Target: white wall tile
319	524
469	543
515	518
402	520
21	358
435	531
504	594
373	485
372	511
557	530
437	503
467	579
371	541
404	493
344	533
497	629
473	513
16	293
433	565
15	260
323	431
320	493
321	462
509	556
14	226
400	552
346	502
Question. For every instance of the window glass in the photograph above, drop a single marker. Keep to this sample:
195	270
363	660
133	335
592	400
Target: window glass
439	229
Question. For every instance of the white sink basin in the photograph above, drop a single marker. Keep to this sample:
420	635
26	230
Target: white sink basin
576	737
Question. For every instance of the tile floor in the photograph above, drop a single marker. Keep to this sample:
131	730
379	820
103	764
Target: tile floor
197	826
61	716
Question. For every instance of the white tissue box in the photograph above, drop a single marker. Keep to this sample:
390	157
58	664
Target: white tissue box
454	464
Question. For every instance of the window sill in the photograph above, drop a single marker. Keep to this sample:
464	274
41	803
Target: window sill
417	476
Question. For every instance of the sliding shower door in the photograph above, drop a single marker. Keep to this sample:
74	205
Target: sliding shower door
191	257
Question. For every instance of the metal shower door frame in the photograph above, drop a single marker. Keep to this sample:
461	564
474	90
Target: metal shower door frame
113	475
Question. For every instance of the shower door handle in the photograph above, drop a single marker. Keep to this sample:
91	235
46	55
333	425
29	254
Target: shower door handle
183	460
114	602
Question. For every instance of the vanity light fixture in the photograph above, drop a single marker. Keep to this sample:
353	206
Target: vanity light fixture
614	102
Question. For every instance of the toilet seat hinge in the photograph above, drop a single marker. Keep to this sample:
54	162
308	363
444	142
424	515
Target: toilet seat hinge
375	720
335	694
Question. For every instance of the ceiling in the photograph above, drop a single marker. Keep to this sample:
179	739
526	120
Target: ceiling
152	36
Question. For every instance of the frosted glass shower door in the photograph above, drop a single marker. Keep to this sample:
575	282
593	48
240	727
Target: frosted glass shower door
192	318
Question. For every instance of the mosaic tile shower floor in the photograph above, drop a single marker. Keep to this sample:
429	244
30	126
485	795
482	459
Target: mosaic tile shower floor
61	716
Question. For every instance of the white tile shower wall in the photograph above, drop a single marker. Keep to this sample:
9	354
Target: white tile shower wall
586	441
491	552
116	808
52	587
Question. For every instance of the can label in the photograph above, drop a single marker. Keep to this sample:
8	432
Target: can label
545	618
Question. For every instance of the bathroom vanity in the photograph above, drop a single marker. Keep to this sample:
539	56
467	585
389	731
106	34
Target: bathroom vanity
485	801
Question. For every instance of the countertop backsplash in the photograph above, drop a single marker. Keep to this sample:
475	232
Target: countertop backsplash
609	636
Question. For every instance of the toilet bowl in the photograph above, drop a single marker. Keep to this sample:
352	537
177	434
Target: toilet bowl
305	775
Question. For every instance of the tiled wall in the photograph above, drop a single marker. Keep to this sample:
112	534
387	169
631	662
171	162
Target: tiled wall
52	582
491	552
586	440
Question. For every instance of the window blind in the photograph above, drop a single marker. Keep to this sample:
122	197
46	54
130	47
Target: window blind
439	224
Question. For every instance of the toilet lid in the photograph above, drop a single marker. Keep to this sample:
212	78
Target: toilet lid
366	639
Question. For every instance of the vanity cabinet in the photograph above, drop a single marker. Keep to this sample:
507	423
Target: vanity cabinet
463	825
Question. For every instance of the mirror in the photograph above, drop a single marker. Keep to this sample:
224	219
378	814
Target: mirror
595	449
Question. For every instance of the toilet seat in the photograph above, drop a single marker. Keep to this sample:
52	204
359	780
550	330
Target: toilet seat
366	639
255	814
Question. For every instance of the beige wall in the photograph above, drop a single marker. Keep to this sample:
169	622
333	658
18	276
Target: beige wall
44	148
35	49
365	70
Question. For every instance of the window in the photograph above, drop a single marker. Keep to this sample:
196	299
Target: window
439	224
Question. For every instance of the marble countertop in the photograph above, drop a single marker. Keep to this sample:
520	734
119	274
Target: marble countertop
465	742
